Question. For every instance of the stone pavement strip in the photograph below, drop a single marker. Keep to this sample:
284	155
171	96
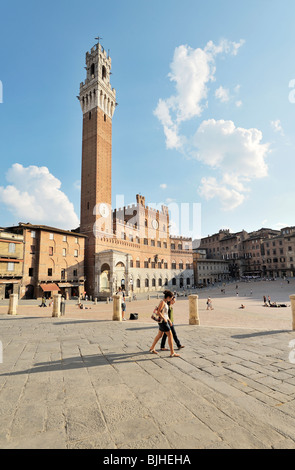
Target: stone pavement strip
82	384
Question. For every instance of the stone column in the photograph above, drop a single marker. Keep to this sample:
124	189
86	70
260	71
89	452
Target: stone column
97	276
292	298
117	307
13	302
193	310
112	282
127	277
56	305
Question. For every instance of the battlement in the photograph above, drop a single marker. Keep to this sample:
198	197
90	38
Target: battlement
180	237
133	207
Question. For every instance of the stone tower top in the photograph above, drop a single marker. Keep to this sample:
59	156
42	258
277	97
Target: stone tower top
96	90
140	200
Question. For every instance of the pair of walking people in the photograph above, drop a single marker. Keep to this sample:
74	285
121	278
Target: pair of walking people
166	327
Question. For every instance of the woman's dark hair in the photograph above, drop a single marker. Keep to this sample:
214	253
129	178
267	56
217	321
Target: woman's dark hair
167	293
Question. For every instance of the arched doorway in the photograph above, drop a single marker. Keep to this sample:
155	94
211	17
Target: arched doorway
120	273
105	278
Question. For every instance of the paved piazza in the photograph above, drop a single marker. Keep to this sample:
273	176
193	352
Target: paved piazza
84	381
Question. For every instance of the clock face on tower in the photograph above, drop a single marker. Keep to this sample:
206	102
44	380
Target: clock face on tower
155	224
103	210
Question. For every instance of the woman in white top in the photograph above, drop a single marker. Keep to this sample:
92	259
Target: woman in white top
123	304
164	325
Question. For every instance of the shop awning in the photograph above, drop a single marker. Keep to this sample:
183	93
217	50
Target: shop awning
49	287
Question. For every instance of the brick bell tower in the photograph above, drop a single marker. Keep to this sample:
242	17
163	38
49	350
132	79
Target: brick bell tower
98	102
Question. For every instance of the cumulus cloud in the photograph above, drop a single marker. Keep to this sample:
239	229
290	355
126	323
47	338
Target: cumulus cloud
191	72
34	195
238	151
222	94
237	154
229	197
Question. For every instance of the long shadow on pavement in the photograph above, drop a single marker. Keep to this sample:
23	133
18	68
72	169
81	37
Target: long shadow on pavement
85	361
260	333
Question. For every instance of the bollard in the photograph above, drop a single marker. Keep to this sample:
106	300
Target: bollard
193	310
292	298
56	305
95	300
117	307
13	301
148	297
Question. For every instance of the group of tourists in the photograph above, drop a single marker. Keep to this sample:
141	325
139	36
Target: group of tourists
268	303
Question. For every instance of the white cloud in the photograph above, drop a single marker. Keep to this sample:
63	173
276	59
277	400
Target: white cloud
191	71
222	94
169	200
277	126
237	154
33	195
229	198
163	186
238	151
224	46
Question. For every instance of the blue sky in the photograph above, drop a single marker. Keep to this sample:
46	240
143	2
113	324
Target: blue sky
205	113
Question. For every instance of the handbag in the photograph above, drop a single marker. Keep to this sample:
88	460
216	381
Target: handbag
155	316
133	316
